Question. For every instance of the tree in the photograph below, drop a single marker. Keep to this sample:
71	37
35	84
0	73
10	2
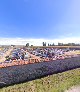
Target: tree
27	45
48	44
60	44
44	43
53	44
31	45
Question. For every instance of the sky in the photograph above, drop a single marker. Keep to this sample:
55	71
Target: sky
35	21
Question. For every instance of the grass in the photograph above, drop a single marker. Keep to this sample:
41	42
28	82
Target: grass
53	83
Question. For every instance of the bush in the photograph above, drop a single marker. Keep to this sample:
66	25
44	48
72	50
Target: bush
18	74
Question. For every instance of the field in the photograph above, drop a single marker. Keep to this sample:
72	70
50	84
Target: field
23	73
53	83
62	79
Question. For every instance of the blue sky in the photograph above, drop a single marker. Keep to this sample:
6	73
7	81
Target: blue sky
40	19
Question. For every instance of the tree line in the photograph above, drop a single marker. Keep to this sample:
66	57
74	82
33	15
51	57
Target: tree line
59	44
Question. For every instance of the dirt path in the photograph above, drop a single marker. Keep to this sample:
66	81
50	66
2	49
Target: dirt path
74	89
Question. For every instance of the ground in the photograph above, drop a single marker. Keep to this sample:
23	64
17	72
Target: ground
52	83
74	89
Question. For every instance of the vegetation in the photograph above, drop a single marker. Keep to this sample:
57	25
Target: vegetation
61	44
53	83
44	43
56	46
27	45
24	73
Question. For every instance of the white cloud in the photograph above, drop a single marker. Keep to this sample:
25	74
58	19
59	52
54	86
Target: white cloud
36	42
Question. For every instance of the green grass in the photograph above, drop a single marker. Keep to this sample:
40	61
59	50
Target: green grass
53	83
